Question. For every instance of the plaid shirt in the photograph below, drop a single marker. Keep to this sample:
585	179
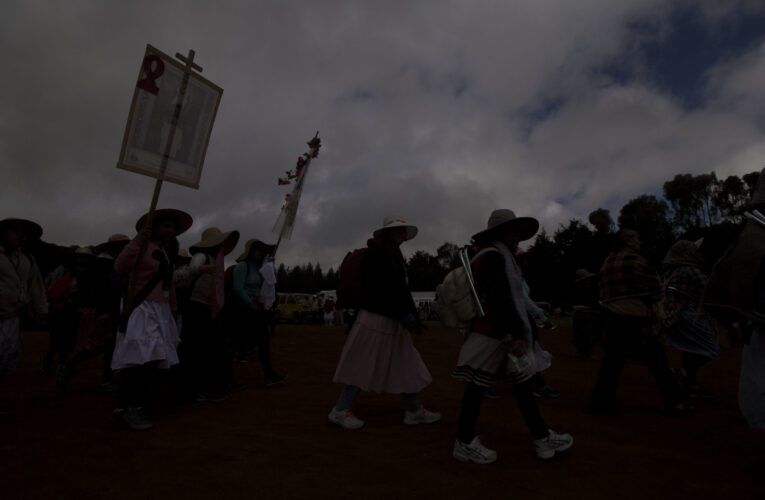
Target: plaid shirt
626	274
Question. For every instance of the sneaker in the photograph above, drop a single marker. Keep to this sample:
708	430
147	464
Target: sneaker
108	387
547	448
546	392
345	419
491	393
421	416
118	414
275	379
136	420
473	452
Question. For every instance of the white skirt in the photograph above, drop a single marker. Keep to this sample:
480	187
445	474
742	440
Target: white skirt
151	335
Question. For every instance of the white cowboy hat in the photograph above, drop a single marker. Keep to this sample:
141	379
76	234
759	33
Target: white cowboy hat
505	220
392	221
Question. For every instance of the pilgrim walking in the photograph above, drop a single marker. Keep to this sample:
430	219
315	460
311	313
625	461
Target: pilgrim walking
500	344
378	354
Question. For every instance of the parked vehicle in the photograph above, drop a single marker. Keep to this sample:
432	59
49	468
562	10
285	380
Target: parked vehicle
298	308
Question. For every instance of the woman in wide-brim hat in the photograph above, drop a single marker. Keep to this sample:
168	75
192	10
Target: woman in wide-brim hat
253	296
504	329
203	345
148	339
379	354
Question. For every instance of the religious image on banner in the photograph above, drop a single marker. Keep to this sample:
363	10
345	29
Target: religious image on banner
150	126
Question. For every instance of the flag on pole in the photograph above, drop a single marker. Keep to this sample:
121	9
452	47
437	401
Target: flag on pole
286	221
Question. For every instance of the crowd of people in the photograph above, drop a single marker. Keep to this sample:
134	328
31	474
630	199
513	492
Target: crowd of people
146	305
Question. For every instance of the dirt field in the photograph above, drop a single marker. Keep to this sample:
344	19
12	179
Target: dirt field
277	443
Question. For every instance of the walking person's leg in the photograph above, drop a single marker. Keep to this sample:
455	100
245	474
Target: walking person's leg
341	414
467	446
259	323
616	351
652	354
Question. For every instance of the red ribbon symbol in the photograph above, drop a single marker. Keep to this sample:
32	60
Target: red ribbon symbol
152	73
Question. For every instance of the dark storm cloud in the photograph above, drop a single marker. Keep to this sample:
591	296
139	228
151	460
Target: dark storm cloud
438	111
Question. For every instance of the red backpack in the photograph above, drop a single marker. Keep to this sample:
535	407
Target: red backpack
349	286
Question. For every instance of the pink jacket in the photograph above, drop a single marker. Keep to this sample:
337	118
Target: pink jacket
147	269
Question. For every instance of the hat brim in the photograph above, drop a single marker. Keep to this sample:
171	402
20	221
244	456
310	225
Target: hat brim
33	230
524	227
228	239
411	231
255	243
182	219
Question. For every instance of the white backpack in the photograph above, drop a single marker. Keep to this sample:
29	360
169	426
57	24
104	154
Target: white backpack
457	302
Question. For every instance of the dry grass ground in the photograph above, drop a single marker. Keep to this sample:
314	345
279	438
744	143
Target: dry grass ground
277	443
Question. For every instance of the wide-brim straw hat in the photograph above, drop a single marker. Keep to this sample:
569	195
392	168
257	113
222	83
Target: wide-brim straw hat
503	220
182	219
33	230
213	237
392	221
583	274
84	252
254	242
115	242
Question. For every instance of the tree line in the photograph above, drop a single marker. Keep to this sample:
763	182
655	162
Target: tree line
692	207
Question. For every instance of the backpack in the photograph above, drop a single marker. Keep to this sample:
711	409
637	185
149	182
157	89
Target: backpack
349	287
456	300
60	291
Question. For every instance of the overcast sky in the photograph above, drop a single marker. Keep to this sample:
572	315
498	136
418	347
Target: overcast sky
439	111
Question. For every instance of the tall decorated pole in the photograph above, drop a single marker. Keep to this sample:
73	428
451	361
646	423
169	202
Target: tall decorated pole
286	221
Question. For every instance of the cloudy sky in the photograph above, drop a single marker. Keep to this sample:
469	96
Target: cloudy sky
436	110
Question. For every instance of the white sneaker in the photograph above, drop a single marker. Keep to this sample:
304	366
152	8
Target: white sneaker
421	416
473	452
547	447
345	419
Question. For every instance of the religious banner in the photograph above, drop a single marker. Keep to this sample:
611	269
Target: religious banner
171	119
